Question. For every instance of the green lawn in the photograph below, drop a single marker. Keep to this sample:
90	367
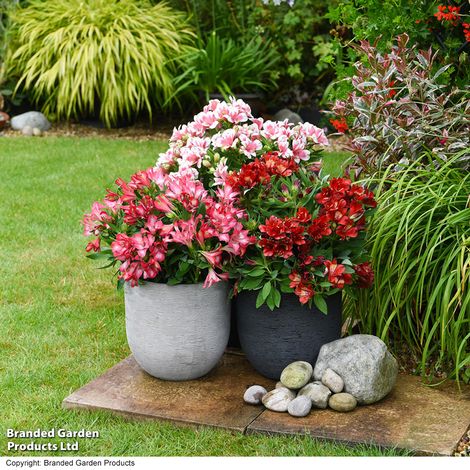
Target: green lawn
62	321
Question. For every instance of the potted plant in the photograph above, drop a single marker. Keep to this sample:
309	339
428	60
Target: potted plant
308	233
309	249
173	242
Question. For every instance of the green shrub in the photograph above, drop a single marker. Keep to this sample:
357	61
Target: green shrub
299	31
398	109
380	21
227	67
296	30
78	57
419	241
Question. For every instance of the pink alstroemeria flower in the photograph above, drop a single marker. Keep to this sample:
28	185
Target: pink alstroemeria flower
213	277
214	257
142	242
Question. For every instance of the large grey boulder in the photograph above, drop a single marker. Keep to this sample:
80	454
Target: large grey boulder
33	119
364	363
286	113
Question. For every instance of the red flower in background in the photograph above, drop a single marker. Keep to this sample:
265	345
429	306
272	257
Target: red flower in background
340	125
448	13
466	31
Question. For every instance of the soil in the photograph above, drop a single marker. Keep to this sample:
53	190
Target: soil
140	131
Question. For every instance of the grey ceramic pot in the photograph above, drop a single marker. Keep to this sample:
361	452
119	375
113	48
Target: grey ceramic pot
177	332
272	340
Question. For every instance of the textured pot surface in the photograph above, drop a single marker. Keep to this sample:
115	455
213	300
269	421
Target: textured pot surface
177	332
293	332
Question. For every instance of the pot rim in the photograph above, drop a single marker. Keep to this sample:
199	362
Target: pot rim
182	285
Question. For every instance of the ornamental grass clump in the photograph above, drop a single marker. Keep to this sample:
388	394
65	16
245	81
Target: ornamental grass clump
307	233
107	57
224	66
419	242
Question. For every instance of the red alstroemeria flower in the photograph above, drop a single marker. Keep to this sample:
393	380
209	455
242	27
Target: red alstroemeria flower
279	166
250	175
295	278
280	235
304	293
320	228
365	275
302	287
337	274
303	215
283	248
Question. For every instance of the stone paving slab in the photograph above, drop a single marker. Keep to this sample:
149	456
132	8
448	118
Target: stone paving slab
213	400
413	416
423	419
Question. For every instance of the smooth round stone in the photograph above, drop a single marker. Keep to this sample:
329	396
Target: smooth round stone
31	119
279	385
318	394
333	381
27	130
342	402
37	132
278	399
296	375
300	406
254	394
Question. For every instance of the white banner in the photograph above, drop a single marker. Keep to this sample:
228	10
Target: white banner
237	463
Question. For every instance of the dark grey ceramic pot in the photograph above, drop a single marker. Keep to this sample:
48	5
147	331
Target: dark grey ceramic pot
272	340
177	332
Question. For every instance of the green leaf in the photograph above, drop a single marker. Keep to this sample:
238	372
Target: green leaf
256	272
325	284
251	283
98	255
320	303
276	296
259	300
266	290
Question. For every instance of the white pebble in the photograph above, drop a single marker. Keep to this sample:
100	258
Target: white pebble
332	380
300	406
254	394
